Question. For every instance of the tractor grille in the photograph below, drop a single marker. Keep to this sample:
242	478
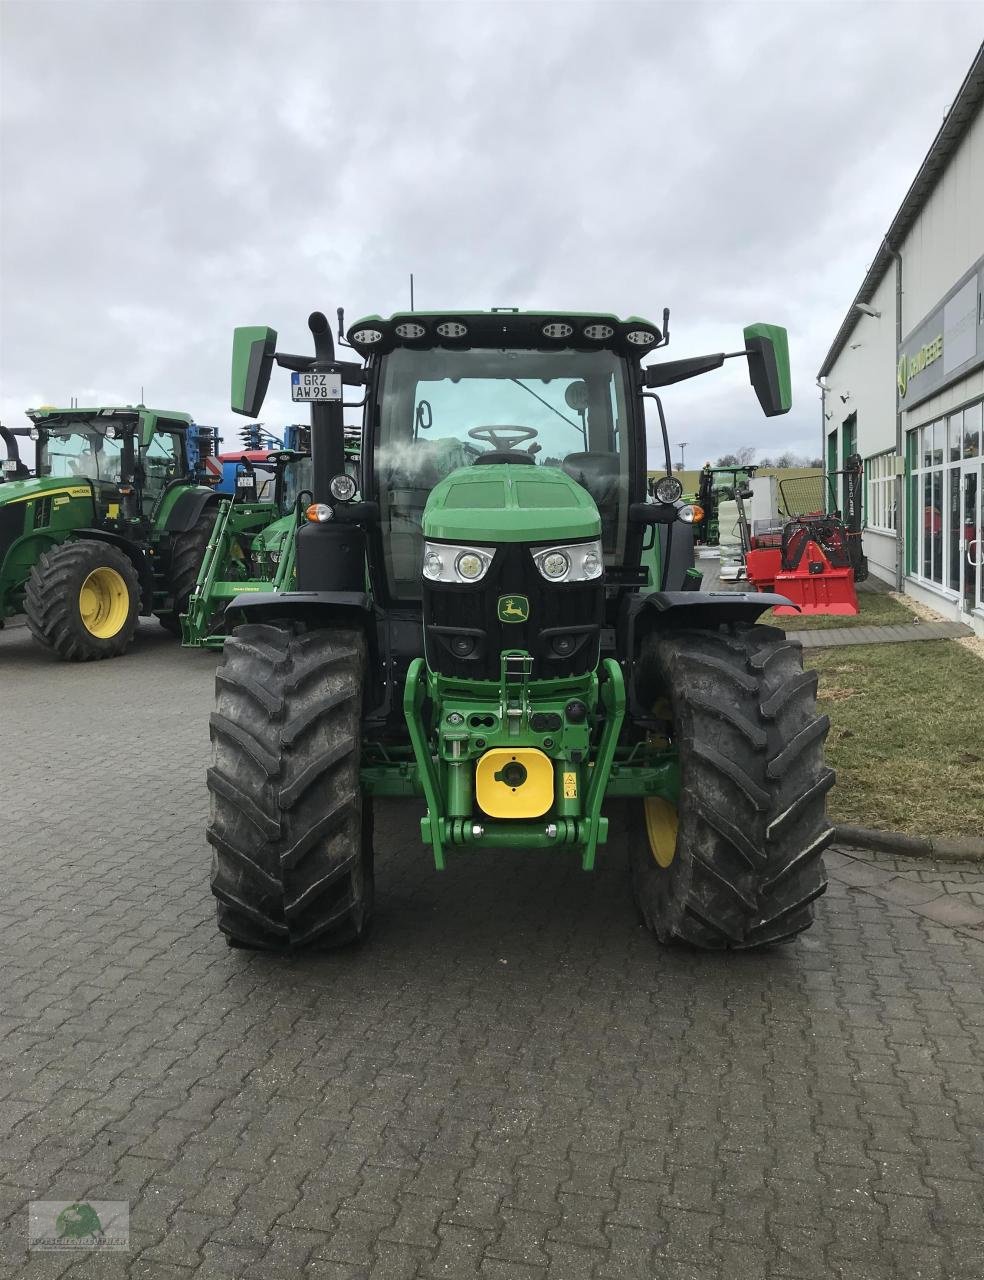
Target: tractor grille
562	631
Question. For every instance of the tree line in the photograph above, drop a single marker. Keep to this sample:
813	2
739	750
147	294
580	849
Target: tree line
745	457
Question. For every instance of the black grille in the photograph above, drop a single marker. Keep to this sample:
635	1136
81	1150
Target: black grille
562	631
42	513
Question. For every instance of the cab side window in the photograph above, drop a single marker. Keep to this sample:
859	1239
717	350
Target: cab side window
163	461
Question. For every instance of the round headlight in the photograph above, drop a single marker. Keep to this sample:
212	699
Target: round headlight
686	514
468	565
410	329
319	512
598	332
433	565
591	565
556	564
452	329
342	488
34	433
668	489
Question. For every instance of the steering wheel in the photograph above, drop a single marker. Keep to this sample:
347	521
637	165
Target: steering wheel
503	437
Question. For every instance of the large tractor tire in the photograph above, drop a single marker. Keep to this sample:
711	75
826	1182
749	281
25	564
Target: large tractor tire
82	600
737	862
187	555
292	862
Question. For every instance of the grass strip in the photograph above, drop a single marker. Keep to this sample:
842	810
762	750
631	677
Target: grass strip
906	736
878	609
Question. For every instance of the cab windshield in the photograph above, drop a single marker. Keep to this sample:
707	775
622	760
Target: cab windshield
440	410
80	450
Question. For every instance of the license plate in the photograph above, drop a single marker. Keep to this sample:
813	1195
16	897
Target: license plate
316	386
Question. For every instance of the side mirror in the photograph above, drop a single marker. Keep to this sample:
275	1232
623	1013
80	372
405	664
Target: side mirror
767	347
253	349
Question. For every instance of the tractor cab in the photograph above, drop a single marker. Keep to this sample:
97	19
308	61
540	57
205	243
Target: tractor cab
128	456
541	413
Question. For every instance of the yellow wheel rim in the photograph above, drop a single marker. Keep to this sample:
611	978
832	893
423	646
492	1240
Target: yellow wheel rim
661	828
104	603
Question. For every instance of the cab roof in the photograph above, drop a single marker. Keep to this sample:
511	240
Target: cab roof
74	413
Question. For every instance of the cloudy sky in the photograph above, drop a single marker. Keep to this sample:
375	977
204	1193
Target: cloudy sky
173	169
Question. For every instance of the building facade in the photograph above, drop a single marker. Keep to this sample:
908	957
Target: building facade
903	381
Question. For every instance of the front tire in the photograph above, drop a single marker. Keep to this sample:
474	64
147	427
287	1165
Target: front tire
737	863
291	833
82	601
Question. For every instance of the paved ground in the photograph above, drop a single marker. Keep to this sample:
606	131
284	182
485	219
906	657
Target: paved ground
511	1080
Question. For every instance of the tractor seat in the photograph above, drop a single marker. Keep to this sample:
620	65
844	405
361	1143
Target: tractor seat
509	456
600	474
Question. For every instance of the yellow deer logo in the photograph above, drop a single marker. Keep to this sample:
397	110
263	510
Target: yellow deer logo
513	609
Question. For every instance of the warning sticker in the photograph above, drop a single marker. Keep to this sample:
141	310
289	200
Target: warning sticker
570	786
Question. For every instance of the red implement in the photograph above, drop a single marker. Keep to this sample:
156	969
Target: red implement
803	572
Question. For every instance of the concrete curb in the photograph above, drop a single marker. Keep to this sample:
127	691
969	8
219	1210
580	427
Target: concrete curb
944	848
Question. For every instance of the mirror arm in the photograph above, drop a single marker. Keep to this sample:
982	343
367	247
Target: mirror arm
353	375
651	395
299	364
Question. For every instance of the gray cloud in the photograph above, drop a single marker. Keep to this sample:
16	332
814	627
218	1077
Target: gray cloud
174	169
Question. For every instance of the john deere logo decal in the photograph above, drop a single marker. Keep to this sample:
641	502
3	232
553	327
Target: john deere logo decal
513	609
902	376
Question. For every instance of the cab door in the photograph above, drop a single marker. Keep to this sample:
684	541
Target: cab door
162	460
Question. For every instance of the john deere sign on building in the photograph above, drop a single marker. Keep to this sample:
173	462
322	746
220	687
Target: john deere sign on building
947	344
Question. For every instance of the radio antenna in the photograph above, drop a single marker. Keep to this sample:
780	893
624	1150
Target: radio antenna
411	290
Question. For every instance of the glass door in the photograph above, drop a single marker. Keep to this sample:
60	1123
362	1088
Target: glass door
972	538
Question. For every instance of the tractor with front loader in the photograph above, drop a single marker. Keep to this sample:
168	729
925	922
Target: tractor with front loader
251	547
500	621
112	524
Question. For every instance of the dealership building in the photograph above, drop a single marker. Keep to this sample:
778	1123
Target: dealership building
903	382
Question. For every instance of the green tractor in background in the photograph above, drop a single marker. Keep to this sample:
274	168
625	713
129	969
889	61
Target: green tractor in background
503	623
253	539
111	525
251	546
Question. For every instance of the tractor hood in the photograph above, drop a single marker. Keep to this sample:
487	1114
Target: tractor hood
510	503
24	490
273	536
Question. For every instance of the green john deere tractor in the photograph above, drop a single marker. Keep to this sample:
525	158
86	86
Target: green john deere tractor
505	624
112	524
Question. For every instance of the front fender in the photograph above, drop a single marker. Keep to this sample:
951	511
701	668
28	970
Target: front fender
641	615
662	609
185	511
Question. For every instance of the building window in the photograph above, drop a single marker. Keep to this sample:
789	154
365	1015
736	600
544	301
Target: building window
879	474
937	454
